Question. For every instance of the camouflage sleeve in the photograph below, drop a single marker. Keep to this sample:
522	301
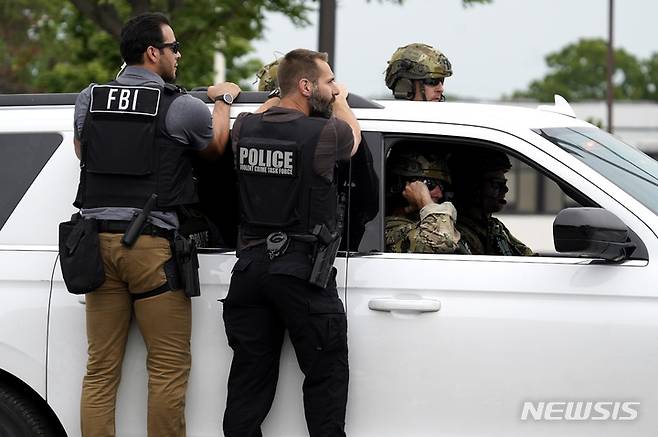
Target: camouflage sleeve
520	248
470	240
434	233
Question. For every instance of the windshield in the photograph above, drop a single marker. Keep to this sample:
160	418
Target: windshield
627	167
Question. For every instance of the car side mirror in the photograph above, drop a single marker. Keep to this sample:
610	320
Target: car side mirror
592	232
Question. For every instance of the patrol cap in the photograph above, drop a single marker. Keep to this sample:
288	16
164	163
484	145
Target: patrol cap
417	61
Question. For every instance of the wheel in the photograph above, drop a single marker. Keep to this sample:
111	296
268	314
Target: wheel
21	417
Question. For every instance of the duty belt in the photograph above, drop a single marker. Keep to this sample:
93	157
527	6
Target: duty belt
278	243
120	226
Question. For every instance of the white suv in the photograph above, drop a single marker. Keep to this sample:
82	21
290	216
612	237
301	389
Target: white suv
556	344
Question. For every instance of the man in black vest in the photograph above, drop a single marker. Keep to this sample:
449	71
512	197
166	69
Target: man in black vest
285	159
135	137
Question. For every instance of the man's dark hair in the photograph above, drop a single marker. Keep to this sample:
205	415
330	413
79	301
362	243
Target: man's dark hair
139	33
296	65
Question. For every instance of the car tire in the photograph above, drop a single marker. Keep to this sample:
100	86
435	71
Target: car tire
20	417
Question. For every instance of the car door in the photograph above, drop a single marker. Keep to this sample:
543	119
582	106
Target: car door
499	346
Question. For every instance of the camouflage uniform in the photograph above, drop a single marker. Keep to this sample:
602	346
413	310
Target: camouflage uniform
490	237
430	231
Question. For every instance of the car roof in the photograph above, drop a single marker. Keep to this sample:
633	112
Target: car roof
505	117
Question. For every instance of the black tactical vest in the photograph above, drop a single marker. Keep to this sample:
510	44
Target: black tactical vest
127	154
279	189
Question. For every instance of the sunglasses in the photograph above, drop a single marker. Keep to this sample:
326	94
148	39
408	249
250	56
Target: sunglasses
431	183
433	81
174	46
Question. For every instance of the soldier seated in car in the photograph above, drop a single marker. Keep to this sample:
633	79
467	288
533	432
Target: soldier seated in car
419	219
480	188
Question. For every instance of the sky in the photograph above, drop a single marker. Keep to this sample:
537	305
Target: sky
494	49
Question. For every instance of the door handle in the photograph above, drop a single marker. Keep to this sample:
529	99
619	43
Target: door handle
394	304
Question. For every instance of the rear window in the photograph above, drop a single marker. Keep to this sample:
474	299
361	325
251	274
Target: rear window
22	156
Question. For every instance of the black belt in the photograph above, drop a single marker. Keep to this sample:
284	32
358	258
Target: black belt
120	227
295	245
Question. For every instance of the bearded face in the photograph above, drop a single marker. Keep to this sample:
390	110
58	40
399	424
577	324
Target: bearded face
321	103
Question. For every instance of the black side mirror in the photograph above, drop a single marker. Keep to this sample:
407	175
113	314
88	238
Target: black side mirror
592	232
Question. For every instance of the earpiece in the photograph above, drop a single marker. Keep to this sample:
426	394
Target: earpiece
404	89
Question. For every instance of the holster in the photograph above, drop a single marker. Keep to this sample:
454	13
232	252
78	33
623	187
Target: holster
325	255
80	255
187	261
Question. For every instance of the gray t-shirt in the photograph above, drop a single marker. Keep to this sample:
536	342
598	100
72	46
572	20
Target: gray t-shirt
188	121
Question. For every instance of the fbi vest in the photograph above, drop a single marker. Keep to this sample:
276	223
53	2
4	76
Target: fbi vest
127	153
279	189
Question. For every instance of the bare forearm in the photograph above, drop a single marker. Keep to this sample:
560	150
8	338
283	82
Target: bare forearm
269	103
220	118
76	145
344	112
220	130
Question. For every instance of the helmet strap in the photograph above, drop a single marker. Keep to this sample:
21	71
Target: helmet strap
421	89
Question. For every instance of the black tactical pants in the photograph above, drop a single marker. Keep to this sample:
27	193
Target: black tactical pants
260	305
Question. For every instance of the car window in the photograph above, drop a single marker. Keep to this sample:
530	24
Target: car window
361	178
22	157
358	178
521	226
218	199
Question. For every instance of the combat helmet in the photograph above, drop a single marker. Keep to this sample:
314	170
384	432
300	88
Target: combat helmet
267	80
415	62
475	163
410	164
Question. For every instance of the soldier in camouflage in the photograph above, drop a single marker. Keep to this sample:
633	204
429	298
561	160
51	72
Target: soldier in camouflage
417	220
417	72
480	188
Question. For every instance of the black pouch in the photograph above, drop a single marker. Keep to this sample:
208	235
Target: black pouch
80	255
187	261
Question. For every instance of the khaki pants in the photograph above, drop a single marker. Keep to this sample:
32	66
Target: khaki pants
165	323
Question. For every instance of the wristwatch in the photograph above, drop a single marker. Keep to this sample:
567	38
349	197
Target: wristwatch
276	92
226	98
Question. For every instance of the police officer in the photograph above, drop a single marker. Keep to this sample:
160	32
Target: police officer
420	219
134	137
358	174
285	158
480	189
417	72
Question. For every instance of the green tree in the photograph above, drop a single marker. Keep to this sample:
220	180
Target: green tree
62	45
651	71
578	72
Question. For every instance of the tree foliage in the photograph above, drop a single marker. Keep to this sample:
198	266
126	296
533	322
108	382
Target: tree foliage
578	72
63	45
